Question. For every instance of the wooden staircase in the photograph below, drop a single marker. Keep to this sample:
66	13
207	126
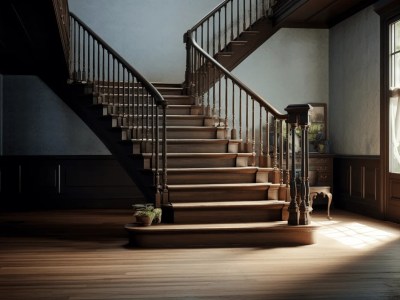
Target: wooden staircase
217	198
218	182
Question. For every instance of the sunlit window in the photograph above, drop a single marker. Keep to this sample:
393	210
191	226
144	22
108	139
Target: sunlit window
394	105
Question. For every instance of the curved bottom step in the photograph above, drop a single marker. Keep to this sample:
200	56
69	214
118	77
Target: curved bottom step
262	234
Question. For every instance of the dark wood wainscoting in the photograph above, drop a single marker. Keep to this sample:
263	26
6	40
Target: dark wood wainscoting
357	184
29	182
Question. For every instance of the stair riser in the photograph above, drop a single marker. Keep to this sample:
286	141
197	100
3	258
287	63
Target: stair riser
119	109
184	148
211	178
225	238
177	162
171	134
121	90
227	215
227	194
121	98
131	121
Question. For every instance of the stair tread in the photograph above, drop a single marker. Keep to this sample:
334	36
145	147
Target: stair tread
168	116
222	204
237	227
201	154
216	141
221	185
216	170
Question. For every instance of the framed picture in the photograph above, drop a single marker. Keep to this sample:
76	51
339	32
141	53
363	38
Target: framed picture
318	123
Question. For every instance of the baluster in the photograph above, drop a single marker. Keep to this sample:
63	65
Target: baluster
233	132
226	26
137	123
256	10
303	209
111	94
213	88
306	170
103	67
293	207
240	112
287	157
268	156
143	112
98	63
157	158
88	68
226	104
275	143
261	150
237	20
164	153
214	41
219	100
247	122
244	15
74	75
250	14
84	55
109	75
231	21
280	145
208	36
79	54
94	61
202	36
123	95
148	110
129	117
219	30
253	134
208	88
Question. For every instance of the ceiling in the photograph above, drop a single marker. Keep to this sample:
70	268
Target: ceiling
316	13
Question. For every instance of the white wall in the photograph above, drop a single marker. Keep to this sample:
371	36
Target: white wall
147	33
291	67
37	122
355	84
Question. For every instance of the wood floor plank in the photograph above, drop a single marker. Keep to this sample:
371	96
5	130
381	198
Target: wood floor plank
82	255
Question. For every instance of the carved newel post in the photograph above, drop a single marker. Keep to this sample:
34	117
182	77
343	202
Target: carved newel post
298	115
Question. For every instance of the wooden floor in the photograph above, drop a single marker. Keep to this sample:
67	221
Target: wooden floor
83	255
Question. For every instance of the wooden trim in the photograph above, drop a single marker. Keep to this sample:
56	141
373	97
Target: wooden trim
389	12
65	182
357	186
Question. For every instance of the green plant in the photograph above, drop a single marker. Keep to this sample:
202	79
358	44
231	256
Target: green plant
147	213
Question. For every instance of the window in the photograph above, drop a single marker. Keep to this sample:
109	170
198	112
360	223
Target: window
394	101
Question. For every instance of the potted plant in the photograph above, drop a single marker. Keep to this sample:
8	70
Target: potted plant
146	214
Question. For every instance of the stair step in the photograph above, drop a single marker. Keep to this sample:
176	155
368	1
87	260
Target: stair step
190	146
222	192
257	234
120	108
230	212
167	90
201	160
219	175
114	97
172	120
177	132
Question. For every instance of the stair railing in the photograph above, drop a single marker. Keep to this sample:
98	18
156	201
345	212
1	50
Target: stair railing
231	104
224	24
140	105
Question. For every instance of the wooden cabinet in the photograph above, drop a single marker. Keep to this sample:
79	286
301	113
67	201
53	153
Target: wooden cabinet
321	169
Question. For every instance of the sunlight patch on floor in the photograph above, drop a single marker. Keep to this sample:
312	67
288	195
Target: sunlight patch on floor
356	235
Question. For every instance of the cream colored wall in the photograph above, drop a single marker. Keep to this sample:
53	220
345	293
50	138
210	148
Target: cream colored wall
354	64
289	68
147	33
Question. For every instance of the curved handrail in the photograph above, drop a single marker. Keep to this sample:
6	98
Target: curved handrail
239	83
152	90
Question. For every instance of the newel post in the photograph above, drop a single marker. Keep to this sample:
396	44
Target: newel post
188	72
298	115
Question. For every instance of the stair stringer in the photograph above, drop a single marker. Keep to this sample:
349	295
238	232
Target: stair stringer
80	100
